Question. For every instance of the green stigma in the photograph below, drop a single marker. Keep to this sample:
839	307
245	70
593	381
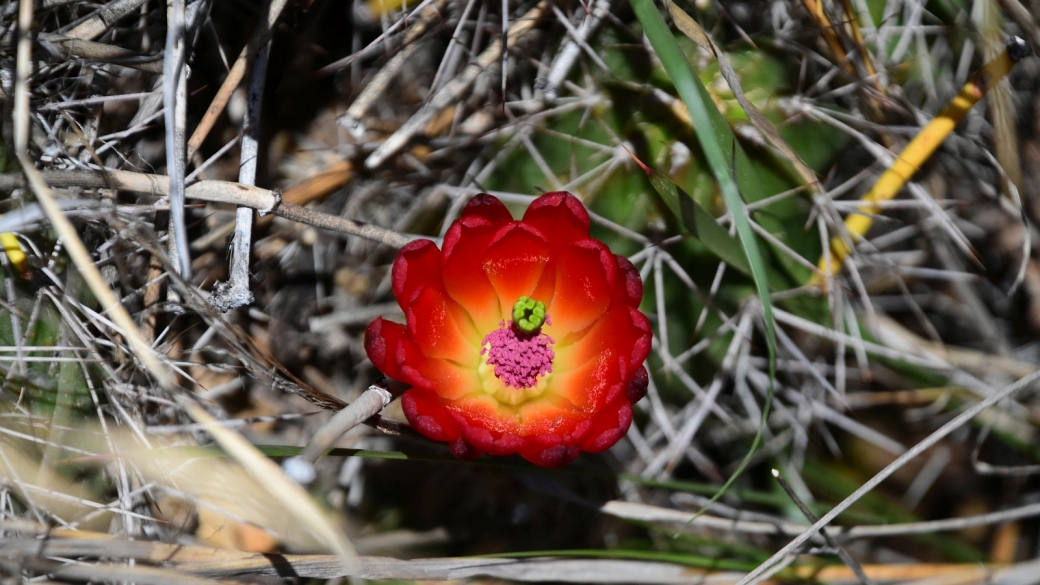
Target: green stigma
528	314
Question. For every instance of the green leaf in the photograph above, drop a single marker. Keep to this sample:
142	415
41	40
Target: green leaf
716	139
702	225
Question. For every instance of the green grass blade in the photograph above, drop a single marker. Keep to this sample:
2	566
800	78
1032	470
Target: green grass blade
718	564
713	138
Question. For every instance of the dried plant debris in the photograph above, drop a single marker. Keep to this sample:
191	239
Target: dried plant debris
201	207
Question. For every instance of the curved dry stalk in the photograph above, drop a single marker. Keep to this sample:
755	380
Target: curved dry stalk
369	404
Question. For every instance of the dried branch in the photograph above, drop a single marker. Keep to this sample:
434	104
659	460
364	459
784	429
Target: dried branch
263	200
175	96
369	404
104	19
235	292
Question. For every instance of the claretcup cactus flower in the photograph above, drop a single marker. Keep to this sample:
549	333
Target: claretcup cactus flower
521	337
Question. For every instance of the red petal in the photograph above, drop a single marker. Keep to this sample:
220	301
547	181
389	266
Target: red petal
629	283
417	264
615	335
489	208
637	387
557	433
585	276
608	427
444	378
428	415
484	412
460	449
499	446
560	216
383	343
641	348
514	263
441	328
587	387
546	287
557	456
465	245
549	418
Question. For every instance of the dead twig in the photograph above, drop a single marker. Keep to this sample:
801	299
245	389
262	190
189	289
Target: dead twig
234	76
369	404
263	200
455	89
235	292
175	96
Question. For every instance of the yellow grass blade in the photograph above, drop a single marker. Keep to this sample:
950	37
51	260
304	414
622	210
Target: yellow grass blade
917	152
14	252
830	34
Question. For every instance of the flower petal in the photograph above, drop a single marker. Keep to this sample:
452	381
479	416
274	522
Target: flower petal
383	344
417	264
514	262
499	446
483	412
548	418
465	245
619	333
487	207
442	377
608	427
428	415
629	283
585	278
546	287
637	387
556	456
441	328
587	387
641	347
560	216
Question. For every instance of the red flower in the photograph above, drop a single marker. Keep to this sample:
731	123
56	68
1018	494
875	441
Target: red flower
522	336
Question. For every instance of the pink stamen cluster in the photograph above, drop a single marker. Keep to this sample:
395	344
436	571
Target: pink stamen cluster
519	358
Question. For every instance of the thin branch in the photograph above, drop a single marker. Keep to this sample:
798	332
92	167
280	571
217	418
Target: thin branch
175	96
263	200
235	292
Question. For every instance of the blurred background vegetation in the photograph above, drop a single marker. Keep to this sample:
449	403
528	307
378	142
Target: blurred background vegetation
936	308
